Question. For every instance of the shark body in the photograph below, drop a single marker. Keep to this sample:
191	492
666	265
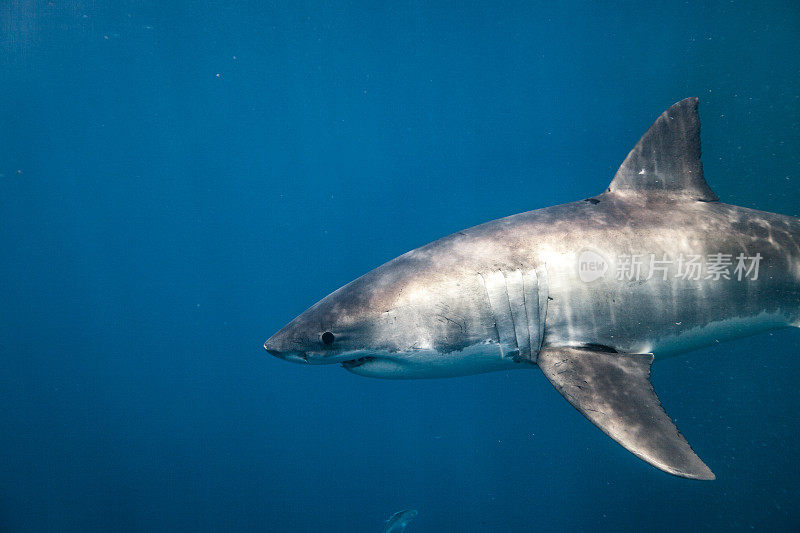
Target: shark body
591	292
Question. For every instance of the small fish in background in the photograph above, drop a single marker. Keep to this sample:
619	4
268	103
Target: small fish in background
399	520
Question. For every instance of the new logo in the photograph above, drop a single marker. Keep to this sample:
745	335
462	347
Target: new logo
591	266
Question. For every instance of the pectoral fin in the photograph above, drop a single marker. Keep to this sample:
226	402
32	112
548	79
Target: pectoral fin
613	390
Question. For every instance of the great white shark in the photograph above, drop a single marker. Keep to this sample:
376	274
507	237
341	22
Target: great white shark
590	292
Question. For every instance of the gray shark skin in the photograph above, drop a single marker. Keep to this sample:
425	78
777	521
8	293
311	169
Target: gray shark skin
558	289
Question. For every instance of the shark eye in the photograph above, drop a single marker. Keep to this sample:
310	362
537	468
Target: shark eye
327	338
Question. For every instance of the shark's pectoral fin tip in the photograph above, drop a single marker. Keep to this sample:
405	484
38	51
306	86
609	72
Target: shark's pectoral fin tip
704	474
700	471
613	391
708	477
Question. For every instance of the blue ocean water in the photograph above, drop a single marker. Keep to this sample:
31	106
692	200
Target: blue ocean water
180	179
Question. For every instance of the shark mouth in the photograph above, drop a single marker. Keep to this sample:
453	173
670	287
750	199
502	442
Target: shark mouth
357	362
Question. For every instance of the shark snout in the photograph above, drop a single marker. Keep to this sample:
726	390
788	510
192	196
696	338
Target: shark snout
293	356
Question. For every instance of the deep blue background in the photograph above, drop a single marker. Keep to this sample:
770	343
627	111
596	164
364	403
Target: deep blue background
180	179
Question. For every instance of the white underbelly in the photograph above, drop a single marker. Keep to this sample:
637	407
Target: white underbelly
423	364
713	333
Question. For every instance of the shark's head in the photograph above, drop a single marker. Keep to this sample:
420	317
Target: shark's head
344	327
398	321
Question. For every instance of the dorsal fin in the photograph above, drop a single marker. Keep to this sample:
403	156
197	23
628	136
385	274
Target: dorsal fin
667	157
